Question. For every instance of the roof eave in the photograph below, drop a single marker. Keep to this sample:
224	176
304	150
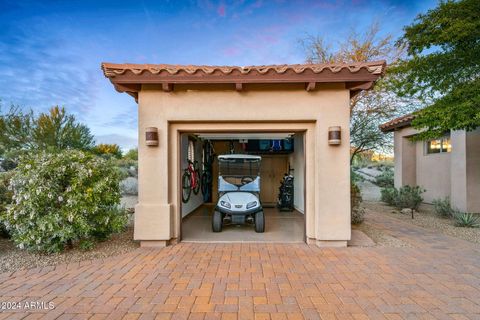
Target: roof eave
357	76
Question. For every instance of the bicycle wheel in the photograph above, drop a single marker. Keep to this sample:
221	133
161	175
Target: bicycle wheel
196	185
186	186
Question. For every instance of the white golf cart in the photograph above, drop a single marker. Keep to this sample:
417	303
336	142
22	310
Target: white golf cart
239	192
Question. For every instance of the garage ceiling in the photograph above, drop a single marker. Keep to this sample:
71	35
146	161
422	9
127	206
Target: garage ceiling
246	136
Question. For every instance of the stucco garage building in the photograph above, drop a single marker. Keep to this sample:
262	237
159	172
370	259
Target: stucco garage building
297	102
444	167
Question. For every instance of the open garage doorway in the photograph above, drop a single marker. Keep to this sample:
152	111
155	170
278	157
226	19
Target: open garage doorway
282	161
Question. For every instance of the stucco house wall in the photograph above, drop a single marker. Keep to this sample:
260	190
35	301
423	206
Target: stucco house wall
263	107
455	174
432	173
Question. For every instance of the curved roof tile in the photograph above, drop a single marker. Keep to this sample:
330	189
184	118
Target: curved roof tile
397	123
113	69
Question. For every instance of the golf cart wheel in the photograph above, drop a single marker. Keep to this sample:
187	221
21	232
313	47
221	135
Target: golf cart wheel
217	221
259	222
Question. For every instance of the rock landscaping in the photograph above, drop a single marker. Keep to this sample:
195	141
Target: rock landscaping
13	259
425	217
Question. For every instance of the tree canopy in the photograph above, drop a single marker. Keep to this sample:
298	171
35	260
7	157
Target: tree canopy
368	109
54	130
443	67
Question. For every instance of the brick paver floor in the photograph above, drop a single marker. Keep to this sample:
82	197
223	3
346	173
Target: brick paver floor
438	278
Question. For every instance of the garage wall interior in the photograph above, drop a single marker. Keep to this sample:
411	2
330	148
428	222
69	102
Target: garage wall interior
196	200
297	163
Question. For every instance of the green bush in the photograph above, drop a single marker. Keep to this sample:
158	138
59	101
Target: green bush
389	195
385	179
405	197
5	199
357	213
64	198
409	197
355	177
131	154
443	208
466	220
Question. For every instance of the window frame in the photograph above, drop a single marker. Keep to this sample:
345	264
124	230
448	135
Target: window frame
443	139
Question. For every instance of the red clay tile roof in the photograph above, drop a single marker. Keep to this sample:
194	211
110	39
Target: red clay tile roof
129	77
113	69
397	123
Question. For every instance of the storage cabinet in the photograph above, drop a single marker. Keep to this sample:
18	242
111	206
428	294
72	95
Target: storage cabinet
271	173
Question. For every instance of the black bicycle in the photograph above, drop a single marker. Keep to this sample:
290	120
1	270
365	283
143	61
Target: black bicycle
207	175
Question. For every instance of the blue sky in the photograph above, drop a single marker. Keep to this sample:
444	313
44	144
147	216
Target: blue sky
50	51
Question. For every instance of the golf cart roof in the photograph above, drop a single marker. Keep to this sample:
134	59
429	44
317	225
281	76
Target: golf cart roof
239	156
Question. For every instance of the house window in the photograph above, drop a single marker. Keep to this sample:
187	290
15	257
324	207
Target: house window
440	145
191	150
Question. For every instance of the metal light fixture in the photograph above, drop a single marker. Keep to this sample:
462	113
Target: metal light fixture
151	136
334	135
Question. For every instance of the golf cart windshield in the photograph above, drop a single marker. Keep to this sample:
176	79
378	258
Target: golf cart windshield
239	172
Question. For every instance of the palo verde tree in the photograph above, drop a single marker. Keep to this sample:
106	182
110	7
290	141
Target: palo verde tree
55	130
368	109
59	130
443	67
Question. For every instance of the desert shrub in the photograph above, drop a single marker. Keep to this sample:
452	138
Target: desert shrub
129	186
405	197
8	164
10	159
385	179
358	215
131	154
466	220
63	198
389	195
443	208
355	177
357	212
5	200
107	150
409	197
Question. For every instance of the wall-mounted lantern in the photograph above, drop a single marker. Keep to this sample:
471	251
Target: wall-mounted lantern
334	135
151	136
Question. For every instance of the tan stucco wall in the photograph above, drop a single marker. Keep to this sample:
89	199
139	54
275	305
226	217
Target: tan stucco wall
297	162
433	173
455	174
405	158
466	170
260	108
473	169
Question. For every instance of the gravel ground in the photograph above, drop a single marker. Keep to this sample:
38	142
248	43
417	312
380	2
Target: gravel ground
426	218
12	258
380	238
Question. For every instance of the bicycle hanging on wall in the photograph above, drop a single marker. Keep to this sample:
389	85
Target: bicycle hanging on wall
207	174
190	180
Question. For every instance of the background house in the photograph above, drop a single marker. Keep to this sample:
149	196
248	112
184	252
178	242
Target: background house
446	167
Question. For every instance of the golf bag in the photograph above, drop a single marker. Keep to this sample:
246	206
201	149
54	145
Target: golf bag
285	196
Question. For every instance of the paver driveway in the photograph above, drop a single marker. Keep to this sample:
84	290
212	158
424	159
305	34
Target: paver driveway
439	278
